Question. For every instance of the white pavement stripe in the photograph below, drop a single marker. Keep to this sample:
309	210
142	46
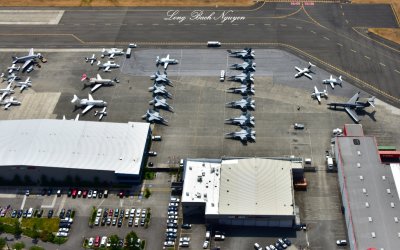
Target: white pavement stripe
139	24
398	72
382	64
299	27
203	24
219	24
347	21
369	58
341	45
326	38
251	24
23	202
171	24
155	24
267	24
235	24
52	203
108	24
313	32
352	50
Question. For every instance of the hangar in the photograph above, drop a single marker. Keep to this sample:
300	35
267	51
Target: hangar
370	191
65	150
241	192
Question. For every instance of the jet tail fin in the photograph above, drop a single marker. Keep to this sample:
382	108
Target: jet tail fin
371	101
75	99
310	65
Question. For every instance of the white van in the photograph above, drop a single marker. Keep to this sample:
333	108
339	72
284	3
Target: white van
208	235
222	76
30	213
307	161
213	44
103	241
329	163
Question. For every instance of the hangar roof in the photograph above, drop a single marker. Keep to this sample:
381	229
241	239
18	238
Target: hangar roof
117	147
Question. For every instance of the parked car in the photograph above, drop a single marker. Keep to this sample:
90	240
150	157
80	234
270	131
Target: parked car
341	242
90	193
184	243
186	226
84	193
97	241
105	193
120	222
69	193
58	192
62	234
136	222
152	153
298	126
288	242
74	193
142	222
94	194
130	222
62	213
79	193
206	243
90	241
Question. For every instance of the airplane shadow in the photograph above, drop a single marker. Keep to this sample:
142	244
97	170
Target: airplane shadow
360	112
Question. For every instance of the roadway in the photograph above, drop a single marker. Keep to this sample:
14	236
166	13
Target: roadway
330	35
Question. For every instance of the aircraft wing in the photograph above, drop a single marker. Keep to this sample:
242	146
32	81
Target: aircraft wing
308	75
112	55
243	137
107	68
353	114
332	84
99	77
96	87
7	105
88	107
90	97
354	98
165	65
22	87
31	52
3	95
26	64
318	97
297	68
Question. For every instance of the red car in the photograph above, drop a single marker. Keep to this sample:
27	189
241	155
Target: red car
84	193
74	193
110	212
97	241
121	194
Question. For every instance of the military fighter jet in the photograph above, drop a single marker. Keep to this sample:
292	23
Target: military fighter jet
247	53
88	103
161	78
91	59
304	72
101	113
244	104
245	119
160	102
97	82
247	65
13	68
244	78
165	61
27	60
353	105
7	91
245	134
23	85
159	89
111	52
8	102
333	81
107	65
247	89
154	116
318	94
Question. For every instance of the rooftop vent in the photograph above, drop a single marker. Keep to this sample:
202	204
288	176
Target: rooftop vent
396	220
383	177
187	193
366	204
358	165
392	204
199	179
373	234
361	177
198	195
370	219
190	168
364	190
388	190
359	153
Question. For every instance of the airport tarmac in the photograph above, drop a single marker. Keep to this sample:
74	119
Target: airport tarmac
197	128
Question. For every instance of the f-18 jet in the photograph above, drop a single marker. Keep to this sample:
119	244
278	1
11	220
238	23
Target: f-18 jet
247	53
91	59
305	71
244	78
318	94
333	81
97	82
247	89
8	102
244	104
154	116
161	78
245	134
245	119
27	60
159	89
247	65
107	65
101	113
160	102
165	61
88	103
25	84
7	91
353	105
111	52
13	68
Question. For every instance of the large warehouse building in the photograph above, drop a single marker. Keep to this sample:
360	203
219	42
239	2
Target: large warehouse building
369	191
84	150
241	192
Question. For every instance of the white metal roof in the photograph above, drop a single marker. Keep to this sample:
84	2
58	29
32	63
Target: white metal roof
253	186
117	147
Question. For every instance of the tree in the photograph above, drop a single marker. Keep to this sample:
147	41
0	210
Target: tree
147	193
131	240
35	232
18	246
36	248
17	229
114	240
2	243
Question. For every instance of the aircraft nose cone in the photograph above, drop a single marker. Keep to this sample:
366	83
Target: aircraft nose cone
105	103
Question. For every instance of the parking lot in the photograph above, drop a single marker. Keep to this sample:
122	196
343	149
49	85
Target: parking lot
196	129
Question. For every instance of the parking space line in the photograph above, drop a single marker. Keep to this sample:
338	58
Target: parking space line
52	203
299	27
326	38
313	32
397	71
251	24
352	50
382	64
267	24
341	45
171	24
62	203
23	202
139	24
367	57
155	24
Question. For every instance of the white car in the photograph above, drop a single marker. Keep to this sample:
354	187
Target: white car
341	242
258	247
172	217
103	241
127	213
90	242
172	221
219	237
172	230
67	220
184	239
97	221
136	222
172	213
205	244
132	213
173	204
143	213
138	212
62	234
99	211
66	230
169	243
174	199
94	194
184	244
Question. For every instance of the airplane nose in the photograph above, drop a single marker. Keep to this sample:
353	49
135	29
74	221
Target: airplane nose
105	103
